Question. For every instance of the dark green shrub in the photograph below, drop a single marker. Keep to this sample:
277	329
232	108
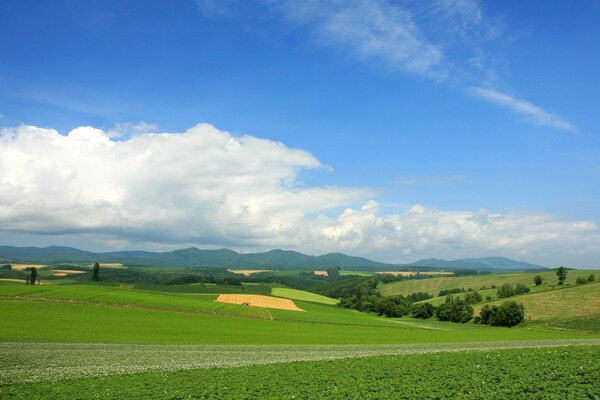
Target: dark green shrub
454	310
423	310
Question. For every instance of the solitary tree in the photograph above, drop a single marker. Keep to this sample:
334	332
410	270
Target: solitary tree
95	273
537	280
591	278
561	272
33	275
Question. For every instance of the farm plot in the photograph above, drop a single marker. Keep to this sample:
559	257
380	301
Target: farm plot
34	362
569	372
255	300
248	272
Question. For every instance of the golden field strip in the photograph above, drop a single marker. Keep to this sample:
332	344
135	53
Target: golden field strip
256	300
25	266
67	271
247	272
321	273
411	273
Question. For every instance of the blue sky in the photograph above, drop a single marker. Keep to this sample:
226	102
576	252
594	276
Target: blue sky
459	107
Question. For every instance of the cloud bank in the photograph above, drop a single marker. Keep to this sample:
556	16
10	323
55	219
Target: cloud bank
207	187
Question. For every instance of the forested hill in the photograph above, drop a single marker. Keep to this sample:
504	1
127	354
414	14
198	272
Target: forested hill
225	258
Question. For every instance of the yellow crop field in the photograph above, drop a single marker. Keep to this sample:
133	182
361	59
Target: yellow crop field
25	266
255	300
67	271
411	273
109	265
247	272
321	273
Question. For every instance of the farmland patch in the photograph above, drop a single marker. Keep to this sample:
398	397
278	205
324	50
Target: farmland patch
259	301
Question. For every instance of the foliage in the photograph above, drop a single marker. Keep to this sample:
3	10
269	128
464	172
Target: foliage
419	296
473	297
509	313
591	278
580	280
538	280
446	292
423	310
561	273
507	290
96	272
454	309
33	276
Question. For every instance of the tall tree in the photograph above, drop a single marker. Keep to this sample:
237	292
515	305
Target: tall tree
33	276
96	272
561	272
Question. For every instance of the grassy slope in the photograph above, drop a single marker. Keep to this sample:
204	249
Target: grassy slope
24	320
296	294
434	285
558	373
563	304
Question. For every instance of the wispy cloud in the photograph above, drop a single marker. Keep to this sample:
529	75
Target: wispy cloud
530	111
439	180
371	29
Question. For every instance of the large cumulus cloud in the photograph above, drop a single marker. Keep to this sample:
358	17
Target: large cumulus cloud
207	187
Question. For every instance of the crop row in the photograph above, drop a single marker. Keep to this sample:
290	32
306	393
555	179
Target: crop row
35	362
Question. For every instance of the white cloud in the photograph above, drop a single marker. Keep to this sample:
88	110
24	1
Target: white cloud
530	111
207	187
372	29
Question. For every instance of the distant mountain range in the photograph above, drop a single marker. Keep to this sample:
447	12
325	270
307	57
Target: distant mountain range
225	258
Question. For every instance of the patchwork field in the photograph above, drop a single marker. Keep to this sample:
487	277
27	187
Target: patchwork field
127	341
258	301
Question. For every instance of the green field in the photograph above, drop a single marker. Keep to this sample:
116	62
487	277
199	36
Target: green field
295	294
535	373
127	341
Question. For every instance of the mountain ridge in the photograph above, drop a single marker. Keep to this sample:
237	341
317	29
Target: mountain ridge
227	258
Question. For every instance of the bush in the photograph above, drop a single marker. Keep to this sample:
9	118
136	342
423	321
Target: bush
591	278
507	290
446	292
473	297
509	313
580	280
423	310
419	296
537	280
454	310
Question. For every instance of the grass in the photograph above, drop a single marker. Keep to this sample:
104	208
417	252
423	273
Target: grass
26	320
542	373
295	294
476	282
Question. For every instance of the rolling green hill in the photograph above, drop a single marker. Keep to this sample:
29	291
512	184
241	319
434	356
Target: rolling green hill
477	282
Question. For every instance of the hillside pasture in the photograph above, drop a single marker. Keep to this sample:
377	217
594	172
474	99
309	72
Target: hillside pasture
477	282
574	302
